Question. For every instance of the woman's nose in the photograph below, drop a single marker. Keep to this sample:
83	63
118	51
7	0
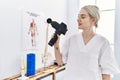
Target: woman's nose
78	19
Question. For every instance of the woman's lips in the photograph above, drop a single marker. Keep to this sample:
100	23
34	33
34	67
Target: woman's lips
80	24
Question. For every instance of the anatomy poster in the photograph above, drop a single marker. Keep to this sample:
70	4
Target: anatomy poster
33	25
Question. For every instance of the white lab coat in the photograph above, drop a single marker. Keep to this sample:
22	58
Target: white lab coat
88	62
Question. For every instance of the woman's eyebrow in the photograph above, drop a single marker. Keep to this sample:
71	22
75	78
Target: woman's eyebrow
83	14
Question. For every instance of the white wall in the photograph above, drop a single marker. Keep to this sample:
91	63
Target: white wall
117	36
72	14
10	29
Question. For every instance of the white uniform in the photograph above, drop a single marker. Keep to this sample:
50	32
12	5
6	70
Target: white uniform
88	62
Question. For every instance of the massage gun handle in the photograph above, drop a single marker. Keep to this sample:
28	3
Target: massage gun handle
53	40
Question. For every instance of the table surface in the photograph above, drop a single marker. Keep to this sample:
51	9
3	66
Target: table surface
50	70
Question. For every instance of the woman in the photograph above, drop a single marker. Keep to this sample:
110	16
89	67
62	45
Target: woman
88	56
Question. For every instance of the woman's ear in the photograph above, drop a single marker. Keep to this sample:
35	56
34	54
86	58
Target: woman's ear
93	21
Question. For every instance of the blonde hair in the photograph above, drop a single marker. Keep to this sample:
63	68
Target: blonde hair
93	12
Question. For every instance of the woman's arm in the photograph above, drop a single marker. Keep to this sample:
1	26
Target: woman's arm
58	55
105	77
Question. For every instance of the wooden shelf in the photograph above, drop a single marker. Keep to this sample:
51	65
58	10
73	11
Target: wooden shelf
43	72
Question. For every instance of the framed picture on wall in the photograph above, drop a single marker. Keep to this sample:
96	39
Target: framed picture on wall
33	29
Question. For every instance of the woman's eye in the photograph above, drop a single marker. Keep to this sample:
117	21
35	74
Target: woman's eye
82	17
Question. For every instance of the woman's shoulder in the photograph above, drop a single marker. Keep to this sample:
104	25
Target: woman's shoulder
72	37
102	38
75	35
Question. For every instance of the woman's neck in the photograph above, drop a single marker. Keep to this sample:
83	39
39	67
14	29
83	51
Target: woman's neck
87	36
87	33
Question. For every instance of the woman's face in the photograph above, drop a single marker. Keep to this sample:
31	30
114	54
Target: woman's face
85	22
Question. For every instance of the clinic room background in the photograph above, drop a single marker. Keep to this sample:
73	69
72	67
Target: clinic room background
15	14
